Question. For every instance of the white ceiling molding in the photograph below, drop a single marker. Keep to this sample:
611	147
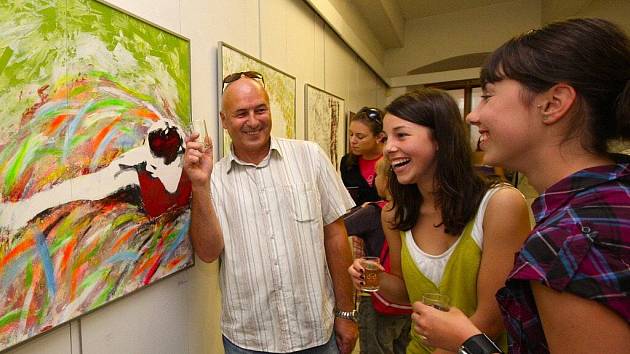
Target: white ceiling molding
334	19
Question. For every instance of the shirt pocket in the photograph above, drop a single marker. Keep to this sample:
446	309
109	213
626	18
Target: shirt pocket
303	202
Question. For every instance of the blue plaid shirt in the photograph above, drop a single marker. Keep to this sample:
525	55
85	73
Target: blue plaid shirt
581	244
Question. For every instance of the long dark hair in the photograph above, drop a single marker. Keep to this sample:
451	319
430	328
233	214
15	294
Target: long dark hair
459	189
590	55
373	119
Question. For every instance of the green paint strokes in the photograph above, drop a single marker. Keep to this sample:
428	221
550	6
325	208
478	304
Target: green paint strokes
103	296
16	167
10	317
95	277
28	278
124	219
4	59
110	102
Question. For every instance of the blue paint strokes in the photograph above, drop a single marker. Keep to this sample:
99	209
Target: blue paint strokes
101	149
123	257
72	127
180	237
42	248
11	270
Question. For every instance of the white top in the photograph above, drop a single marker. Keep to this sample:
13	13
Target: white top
433	266
277	291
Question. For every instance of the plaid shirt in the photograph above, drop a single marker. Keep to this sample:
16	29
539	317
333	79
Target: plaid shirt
581	244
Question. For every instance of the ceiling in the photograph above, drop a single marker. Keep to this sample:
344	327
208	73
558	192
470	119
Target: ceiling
412	9
386	18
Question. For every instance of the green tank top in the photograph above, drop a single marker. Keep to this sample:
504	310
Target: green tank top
459	282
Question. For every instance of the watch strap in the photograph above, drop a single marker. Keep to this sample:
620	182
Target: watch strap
479	344
348	315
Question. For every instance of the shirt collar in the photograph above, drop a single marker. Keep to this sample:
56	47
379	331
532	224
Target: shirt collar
560	193
274	150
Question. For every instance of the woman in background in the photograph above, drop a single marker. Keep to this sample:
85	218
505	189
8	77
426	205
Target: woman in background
449	230
358	166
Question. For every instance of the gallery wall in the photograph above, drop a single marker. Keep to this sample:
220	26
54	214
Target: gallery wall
482	29
181	314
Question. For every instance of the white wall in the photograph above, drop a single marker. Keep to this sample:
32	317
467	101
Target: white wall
181	314
476	30
480	29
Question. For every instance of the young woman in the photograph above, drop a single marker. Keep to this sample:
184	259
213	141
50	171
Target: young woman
449	230
553	100
358	166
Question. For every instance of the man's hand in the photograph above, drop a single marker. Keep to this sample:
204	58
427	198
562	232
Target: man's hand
198	159
346	332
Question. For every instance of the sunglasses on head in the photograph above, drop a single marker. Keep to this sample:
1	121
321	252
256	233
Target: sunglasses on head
235	76
372	113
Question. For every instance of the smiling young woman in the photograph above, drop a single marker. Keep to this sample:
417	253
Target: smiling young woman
554	98
449	230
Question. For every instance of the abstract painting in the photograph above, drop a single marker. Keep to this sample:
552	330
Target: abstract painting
324	124
279	85
94	105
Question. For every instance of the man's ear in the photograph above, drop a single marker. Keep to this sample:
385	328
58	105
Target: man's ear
558	101
222	116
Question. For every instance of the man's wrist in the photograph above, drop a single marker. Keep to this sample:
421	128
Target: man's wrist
346	315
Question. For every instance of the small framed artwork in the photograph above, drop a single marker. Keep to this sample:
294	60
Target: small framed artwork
324	121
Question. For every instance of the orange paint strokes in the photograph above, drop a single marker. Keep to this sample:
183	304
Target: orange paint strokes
38	286
123	239
74	280
174	262
148	263
17	250
67	252
152	270
17	190
98	139
52	128
143	112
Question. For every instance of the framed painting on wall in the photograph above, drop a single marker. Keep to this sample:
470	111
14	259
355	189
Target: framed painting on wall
94	206
280	87
324	121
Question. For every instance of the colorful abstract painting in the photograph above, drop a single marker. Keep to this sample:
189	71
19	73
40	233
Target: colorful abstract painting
94	105
324	125
279	85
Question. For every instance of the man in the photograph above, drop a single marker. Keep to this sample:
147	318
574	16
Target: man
271	210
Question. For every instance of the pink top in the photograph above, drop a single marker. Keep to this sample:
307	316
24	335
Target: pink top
368	169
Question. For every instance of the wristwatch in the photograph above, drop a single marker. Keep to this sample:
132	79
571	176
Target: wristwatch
479	344
348	315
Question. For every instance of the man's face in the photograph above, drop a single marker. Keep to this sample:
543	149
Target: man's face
246	117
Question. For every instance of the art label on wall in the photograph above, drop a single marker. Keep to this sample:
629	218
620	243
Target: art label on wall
94	106
324	123
280	87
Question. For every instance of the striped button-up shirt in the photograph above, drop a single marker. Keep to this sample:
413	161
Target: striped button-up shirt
579	245
277	292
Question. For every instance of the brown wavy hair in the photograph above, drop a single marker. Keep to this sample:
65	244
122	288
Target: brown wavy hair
459	188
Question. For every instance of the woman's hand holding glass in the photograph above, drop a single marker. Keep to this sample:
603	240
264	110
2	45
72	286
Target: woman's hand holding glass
357	272
442	329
